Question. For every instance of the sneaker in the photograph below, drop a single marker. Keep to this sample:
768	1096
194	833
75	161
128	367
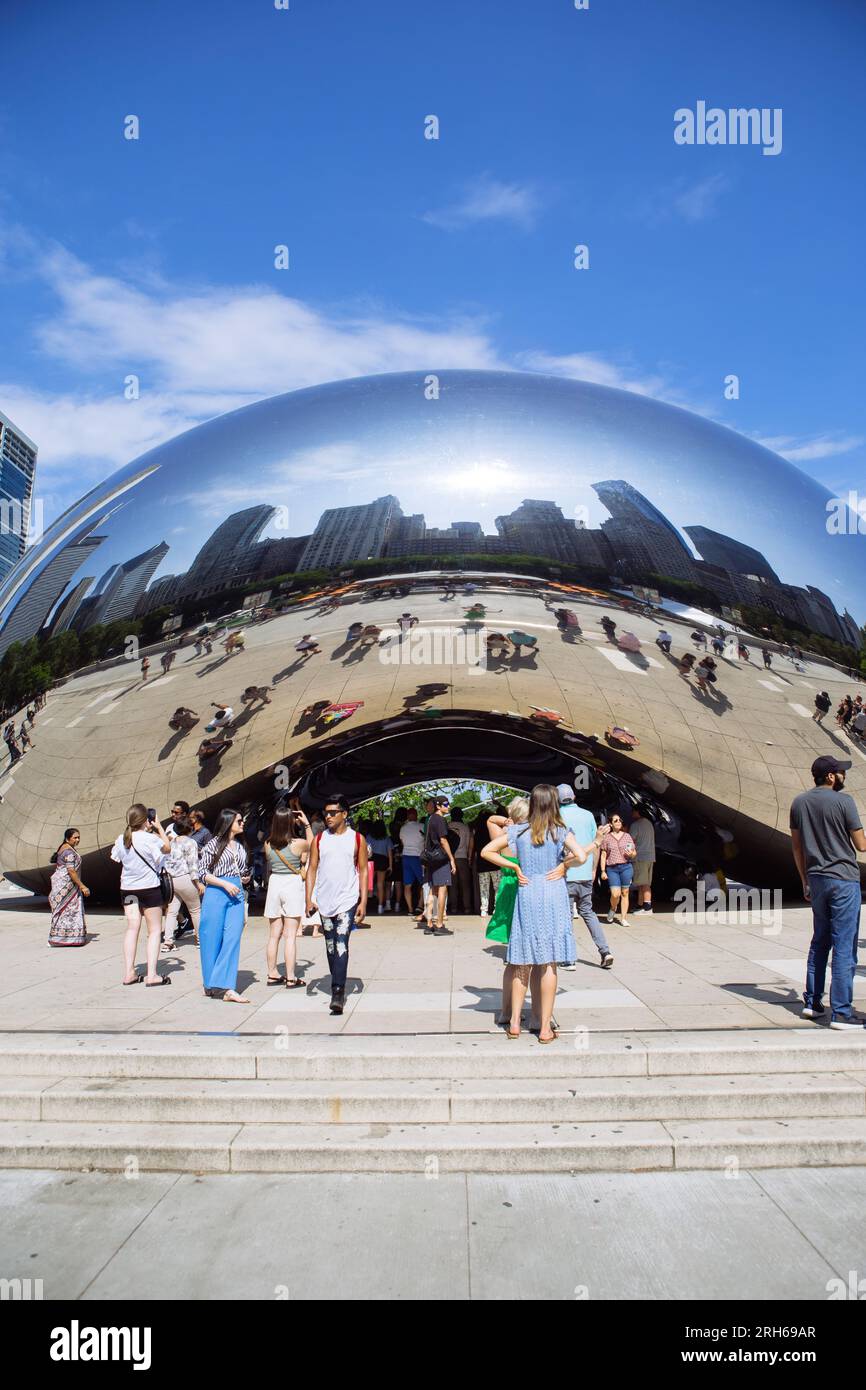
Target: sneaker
624	922
571	966
610	919
813	1011
843	1023
381	909
647	907
607	961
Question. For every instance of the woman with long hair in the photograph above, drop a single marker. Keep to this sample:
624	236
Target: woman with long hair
499	926
541	934
287	850
223	868
182	865
66	898
618	852
141	851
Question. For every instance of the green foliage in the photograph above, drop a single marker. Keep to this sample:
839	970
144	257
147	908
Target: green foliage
472	795
783	630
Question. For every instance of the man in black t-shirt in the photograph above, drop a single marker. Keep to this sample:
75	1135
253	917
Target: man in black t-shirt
439	874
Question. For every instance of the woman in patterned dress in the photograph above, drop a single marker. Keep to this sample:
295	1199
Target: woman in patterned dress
66	898
541	932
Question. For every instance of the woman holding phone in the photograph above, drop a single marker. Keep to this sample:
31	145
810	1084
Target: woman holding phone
223	869
141	851
618	851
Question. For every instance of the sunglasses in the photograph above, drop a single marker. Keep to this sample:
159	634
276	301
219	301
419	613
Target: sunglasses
334	811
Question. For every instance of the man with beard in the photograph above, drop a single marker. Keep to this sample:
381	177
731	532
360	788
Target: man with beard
826	830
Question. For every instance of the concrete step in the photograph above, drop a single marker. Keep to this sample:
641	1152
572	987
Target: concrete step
492	1100
310	1057
432	1149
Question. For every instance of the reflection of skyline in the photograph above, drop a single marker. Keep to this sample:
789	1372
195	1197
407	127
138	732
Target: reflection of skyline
462	469
634	541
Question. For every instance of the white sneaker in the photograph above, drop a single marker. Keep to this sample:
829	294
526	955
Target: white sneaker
572	966
624	922
846	1023
381	909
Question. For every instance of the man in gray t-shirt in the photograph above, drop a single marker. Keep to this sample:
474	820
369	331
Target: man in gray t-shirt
826	830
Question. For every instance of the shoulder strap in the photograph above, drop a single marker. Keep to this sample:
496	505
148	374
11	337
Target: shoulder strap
144	861
357	847
291	868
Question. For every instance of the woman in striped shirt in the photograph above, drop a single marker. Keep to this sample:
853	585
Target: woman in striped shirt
223	869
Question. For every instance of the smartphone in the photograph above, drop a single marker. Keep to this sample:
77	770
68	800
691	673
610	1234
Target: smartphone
151	813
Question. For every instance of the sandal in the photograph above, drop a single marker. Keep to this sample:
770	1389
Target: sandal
137	981
164	980
296	983
275	980
542	1040
168	946
509	1034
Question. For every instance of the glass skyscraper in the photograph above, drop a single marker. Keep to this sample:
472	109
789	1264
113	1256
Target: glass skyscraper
17	471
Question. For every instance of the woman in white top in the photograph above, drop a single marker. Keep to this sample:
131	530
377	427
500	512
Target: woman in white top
141	851
188	887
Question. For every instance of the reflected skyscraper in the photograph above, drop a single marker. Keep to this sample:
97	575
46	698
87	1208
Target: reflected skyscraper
214	565
729	554
128	582
640	535
344	534
43	593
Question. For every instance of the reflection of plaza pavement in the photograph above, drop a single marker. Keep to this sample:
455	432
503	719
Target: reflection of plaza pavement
669	974
103	740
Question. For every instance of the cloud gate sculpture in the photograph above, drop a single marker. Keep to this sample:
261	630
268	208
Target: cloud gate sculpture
455	575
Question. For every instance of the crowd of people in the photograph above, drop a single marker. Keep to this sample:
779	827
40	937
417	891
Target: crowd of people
184	877
18	741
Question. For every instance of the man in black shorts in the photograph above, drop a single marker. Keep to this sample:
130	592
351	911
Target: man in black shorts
439	866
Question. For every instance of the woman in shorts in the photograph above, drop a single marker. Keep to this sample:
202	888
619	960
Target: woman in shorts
618	852
286	850
141	851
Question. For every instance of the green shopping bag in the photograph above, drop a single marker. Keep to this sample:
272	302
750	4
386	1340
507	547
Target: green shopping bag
499	926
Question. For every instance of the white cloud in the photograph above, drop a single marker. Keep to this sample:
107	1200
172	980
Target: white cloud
587	366
489	200
806	450
693	202
204	351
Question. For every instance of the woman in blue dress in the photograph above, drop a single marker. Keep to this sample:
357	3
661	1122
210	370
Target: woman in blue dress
541	933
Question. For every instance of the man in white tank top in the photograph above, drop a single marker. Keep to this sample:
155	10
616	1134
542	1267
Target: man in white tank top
337	889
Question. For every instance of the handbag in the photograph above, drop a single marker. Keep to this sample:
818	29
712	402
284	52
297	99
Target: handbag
432	856
166	886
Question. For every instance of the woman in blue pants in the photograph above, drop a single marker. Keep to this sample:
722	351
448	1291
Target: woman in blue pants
223	867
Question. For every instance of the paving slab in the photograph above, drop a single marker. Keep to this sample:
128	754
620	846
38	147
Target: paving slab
63	1228
294	1239
666	1236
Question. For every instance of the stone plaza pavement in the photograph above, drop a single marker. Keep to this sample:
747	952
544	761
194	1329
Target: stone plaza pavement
774	1234
670	972
698	1140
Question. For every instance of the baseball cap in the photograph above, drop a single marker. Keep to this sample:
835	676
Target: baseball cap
822	766
565	792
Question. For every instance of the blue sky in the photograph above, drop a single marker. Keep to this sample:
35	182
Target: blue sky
305	127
